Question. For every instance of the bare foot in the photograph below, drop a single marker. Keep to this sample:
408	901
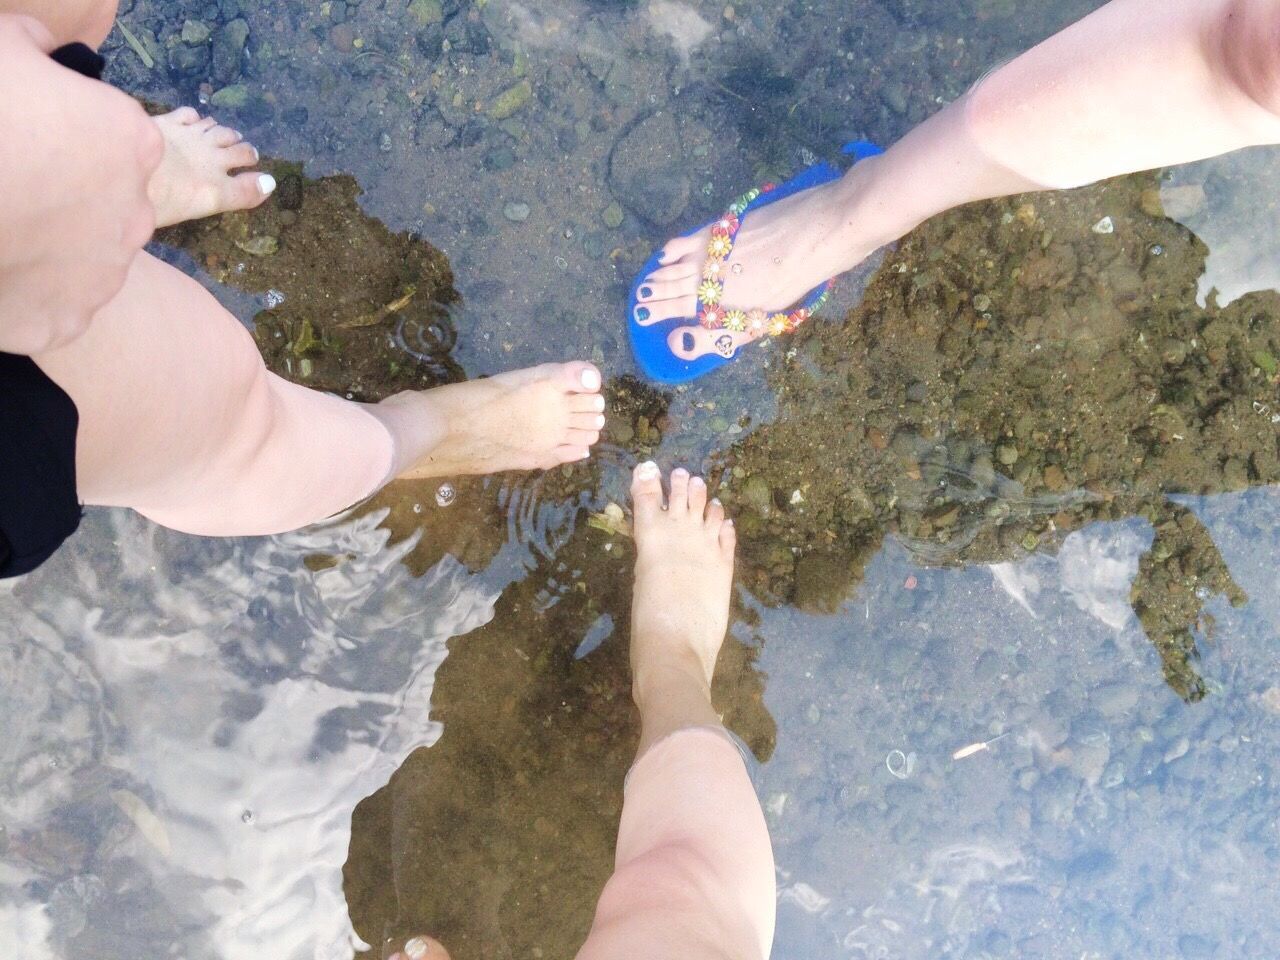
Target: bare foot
782	251
421	948
530	419
684	571
195	178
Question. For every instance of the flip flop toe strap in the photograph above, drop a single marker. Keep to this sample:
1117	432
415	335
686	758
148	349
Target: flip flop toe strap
714	316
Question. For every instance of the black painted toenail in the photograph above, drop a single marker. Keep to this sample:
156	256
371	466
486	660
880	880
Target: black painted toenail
646	292
642	313
689	341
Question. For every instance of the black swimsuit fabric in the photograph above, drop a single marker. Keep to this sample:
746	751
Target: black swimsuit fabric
39	507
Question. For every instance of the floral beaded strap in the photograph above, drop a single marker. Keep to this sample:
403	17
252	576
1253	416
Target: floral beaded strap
713	316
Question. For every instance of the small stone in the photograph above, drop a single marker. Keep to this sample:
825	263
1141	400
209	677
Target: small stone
1105	225
1178	750
228	50
342	37
232	97
1270	700
1007	454
758	496
982	303
1054	478
1182	202
426	12
1235	474
894	95
263	246
516	211
195	33
612	216
511	100
1149	202
917	392
593	244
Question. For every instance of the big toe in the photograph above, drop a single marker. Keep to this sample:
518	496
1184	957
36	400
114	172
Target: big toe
247	190
581	377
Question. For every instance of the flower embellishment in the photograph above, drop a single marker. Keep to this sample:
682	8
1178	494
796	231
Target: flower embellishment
779	324
727	225
757	323
735	320
721	246
710	291
713	270
711	317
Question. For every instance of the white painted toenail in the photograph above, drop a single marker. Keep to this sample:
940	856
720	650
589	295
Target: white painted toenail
267	184
586	455
256	155
591	379
647	470
599	403
600	421
715	502
416	948
698	482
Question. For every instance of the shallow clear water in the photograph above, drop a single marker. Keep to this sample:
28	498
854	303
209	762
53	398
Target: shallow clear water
202	738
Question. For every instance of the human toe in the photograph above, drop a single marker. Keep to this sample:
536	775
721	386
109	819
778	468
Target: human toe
661	291
421	948
183	115
205	124
689	343
581	377
678	502
587	421
715	515
225	137
568	453
582	438
247	190
646	491
586	403
682	270
657	311
239	155
728	539
680	247
697	496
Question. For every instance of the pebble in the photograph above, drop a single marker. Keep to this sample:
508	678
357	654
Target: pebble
510	101
228	50
1105	225
1178	750
232	97
1007	454
612	216
195	33
426	12
516	211
982	303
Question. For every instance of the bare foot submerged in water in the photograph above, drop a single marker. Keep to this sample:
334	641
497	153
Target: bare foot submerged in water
531	419
195	178
684	571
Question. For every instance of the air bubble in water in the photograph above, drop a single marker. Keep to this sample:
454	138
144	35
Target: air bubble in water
247	816
445	495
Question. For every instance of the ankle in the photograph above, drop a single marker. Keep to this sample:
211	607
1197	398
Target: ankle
415	426
877	210
674	673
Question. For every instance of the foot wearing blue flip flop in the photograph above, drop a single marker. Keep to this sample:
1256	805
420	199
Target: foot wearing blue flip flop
761	270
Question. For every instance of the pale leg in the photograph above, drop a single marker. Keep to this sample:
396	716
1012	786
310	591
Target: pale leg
180	419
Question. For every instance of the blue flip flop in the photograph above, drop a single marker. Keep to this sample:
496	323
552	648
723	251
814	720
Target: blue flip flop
649	343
